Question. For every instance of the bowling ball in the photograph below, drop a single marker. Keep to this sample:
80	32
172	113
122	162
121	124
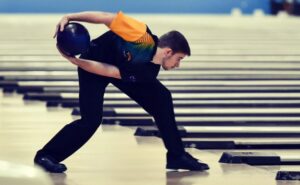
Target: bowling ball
74	39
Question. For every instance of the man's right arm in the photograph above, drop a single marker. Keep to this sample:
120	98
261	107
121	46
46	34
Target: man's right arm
92	17
88	16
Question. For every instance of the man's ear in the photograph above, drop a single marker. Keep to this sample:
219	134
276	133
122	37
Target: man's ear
168	52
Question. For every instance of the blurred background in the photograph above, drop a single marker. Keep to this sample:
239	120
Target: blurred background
146	6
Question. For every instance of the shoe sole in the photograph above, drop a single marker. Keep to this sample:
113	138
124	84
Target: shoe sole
168	168
48	170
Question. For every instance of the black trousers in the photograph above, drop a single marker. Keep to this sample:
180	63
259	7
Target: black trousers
154	97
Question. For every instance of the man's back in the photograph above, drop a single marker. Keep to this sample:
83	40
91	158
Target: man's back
132	57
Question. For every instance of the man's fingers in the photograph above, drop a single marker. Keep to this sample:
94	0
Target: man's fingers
72	59
62	25
55	34
56	30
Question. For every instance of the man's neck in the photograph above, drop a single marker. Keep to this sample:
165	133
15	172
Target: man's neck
157	58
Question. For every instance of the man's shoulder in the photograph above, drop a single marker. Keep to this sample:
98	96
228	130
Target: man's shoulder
127	27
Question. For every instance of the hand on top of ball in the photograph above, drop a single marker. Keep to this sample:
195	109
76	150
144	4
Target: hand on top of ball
61	24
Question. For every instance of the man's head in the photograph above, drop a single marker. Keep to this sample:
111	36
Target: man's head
174	47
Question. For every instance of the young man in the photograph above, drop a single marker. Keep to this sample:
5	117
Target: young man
129	56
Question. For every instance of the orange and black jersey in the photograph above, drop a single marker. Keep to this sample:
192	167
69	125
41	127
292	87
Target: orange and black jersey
130	46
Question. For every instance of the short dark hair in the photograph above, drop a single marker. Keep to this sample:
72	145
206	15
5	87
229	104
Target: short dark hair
176	41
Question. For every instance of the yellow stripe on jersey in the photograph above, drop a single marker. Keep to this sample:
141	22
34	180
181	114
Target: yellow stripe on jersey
128	28
145	39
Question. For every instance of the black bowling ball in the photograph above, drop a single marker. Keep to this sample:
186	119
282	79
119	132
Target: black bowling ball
74	39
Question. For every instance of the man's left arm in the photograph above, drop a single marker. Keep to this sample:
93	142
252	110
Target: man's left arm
98	68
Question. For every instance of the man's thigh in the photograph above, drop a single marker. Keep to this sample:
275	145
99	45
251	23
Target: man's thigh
91	93
152	96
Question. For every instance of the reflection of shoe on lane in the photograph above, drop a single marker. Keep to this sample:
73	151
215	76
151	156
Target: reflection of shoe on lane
49	164
185	162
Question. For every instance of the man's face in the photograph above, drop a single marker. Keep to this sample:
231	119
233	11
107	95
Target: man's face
172	60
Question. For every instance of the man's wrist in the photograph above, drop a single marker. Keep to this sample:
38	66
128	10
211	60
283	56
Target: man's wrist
68	17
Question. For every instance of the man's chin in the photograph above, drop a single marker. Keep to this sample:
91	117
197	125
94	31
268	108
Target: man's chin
166	69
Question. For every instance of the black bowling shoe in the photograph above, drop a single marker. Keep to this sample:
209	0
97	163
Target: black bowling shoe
185	162
49	164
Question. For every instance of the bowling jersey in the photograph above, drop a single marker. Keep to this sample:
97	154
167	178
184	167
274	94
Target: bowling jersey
130	46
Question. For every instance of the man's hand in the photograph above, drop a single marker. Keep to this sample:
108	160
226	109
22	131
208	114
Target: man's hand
61	25
89	16
72	59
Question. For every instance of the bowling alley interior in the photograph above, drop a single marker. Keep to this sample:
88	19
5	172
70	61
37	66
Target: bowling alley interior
236	98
